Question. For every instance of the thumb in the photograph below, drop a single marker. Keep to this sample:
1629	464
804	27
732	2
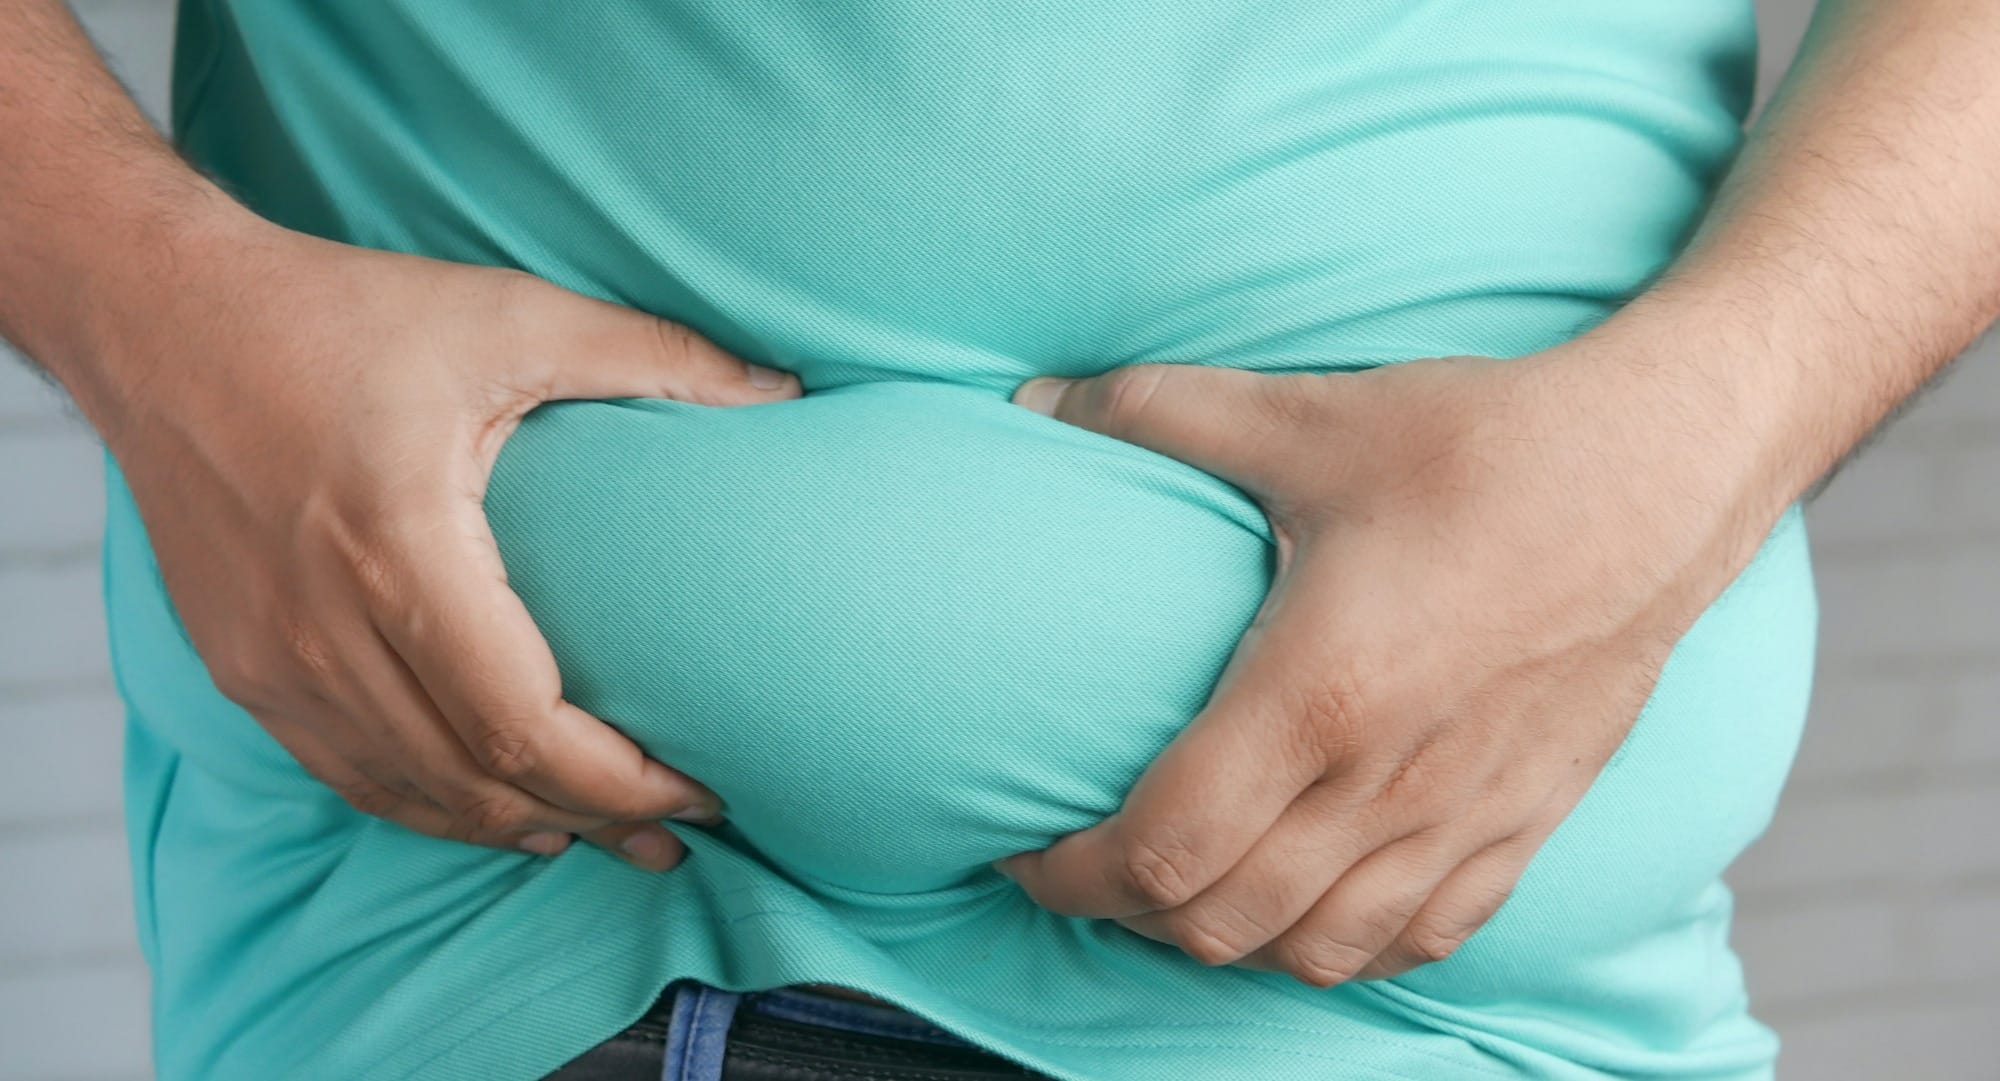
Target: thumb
1236	424
611	351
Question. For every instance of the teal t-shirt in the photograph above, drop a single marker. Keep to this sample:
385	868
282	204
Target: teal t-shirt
902	626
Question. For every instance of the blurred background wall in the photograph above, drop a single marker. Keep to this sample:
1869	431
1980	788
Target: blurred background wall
1869	915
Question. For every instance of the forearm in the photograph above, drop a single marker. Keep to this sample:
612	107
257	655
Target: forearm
1853	251
94	205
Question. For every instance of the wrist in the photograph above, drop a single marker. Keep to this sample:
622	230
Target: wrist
115	292
1727	382
1705	434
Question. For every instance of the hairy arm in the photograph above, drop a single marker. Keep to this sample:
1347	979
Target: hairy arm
94	205
1854	249
307	429
1483	565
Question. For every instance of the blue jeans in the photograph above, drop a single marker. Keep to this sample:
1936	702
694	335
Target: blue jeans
695	1032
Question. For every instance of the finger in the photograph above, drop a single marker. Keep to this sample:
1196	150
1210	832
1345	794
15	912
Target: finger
422	816
643	844
1210	795
393	800
1461	904
612	351
405	724
369	780
1202	804
476	653
434	821
1226	421
374	717
298	732
1280	719
1317	839
1362	914
361	776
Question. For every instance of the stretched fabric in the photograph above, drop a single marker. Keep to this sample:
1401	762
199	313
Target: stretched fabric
902	626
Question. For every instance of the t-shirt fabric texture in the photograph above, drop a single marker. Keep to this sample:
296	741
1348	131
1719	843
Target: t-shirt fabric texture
902	626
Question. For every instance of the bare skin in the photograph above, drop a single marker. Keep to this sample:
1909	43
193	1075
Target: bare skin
308	429
1340	809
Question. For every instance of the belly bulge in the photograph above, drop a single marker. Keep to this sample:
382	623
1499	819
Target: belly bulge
900	625
902	628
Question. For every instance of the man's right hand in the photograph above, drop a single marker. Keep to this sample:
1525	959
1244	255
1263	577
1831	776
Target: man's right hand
308	429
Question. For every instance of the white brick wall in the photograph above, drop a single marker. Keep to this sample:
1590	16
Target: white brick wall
1870	914
72	985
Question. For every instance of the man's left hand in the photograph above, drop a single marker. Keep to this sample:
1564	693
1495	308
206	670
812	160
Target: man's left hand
1482	566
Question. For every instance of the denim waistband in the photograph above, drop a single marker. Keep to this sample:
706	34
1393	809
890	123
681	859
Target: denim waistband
812	1008
697	1030
698	1017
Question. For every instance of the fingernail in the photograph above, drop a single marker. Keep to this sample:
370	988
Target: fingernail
766	378
646	847
1000	865
547	843
1041	394
706	814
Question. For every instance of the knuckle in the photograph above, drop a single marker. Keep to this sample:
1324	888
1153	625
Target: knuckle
1158	871
1425	942
1217	936
1207	946
677	339
495	815
1123	394
1320	959
505	752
